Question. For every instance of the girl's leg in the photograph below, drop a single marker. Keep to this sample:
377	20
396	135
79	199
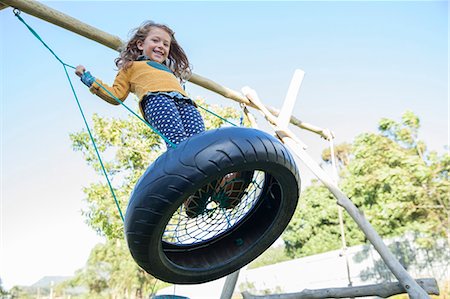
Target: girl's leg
162	113
190	117
228	191
195	204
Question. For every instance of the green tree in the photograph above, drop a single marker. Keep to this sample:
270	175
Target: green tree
128	147
18	292
2	291
391	176
110	271
342	153
315	226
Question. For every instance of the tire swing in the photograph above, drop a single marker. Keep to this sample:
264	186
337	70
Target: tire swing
173	243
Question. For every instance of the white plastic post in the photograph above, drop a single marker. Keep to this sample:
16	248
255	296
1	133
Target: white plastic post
253	97
288	106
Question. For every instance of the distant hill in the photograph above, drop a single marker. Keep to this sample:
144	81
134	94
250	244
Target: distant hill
45	282
44	285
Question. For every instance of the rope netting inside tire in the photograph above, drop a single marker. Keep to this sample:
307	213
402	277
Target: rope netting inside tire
216	214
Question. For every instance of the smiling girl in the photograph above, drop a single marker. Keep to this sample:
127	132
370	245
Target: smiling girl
153	65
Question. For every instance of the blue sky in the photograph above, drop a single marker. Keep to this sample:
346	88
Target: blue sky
363	61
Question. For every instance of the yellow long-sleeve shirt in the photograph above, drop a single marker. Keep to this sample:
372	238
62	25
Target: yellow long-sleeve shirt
140	78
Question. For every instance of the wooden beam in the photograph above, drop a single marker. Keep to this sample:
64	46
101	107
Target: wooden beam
2	6
60	19
382	290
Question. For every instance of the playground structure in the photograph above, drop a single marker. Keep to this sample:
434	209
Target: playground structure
279	121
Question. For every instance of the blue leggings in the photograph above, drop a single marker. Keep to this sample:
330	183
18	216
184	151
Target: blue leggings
176	119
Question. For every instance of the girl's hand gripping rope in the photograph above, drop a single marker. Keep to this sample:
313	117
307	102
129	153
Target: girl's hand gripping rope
86	77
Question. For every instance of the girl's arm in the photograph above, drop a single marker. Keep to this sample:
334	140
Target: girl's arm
119	89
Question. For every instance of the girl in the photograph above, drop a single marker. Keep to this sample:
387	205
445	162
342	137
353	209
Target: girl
153	65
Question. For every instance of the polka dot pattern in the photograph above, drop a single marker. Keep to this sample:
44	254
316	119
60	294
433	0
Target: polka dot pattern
176	119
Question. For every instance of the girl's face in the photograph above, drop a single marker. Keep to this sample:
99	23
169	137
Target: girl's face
156	45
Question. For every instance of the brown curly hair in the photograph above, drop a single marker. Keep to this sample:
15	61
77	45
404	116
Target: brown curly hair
177	60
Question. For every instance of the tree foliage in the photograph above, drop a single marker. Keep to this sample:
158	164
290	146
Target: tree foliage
2	290
392	177
127	147
111	271
18	292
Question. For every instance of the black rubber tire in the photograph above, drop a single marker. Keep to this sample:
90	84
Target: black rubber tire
181	171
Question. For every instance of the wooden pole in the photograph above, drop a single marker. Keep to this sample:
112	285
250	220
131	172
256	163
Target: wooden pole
382	290
60	19
340	215
229	285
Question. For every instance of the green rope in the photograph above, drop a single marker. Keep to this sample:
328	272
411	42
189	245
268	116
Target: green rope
153	288
95	146
217	115
16	13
